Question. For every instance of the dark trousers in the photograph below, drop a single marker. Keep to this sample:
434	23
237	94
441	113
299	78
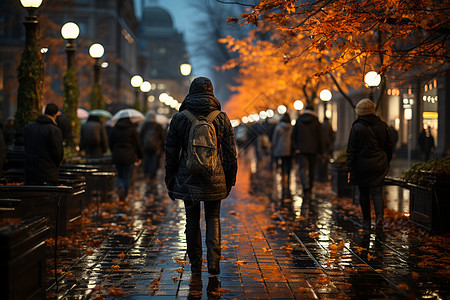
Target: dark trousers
124	177
377	198
151	164
194	236
285	163
307	165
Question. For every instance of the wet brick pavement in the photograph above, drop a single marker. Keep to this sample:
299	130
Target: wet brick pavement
272	249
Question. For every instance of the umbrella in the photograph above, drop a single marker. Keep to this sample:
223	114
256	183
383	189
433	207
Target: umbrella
162	119
134	115
82	113
100	113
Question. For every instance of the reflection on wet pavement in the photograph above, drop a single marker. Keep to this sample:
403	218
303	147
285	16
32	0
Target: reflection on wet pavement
273	248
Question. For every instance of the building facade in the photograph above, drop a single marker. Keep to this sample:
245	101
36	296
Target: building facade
111	23
161	52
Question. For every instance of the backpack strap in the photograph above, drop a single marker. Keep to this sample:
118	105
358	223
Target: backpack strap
212	115
189	115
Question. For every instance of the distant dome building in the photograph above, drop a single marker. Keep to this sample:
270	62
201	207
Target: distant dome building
156	19
161	52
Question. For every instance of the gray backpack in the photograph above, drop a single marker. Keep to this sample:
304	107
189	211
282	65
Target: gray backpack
202	156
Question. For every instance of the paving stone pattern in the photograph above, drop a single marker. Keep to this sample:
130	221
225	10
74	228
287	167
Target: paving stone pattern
307	249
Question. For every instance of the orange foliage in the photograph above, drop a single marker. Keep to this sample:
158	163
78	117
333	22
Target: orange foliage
297	46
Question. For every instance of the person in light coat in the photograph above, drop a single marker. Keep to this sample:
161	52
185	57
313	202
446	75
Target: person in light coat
282	150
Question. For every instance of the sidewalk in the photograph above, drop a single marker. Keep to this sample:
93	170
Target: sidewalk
272	249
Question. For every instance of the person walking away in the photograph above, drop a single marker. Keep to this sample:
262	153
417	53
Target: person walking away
369	152
207	180
93	137
126	152
328	137
152	138
63	122
281	150
44	151
394	136
307	143
426	143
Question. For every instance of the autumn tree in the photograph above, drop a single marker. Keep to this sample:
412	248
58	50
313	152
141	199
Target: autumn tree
348	38
205	48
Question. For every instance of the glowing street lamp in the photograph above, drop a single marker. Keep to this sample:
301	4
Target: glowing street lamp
136	82
372	79
185	69
96	51
282	109
70	32
325	95
29	73
145	88
298	105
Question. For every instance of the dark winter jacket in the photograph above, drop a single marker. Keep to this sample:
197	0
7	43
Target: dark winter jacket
124	143
43	151
328	137
369	151
180	183
306	135
63	122
281	140
157	135
93	138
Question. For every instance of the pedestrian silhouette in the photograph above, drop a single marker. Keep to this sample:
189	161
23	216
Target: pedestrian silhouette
152	138
307	144
394	135
44	152
93	137
426	143
63	122
195	187
328	136
126	152
282	151
369	152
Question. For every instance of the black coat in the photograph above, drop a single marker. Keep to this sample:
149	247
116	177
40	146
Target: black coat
43	151
158	137
180	183
124	143
306	135
93	137
369	151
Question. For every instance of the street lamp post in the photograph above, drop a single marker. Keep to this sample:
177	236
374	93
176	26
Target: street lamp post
28	93
29	71
185	70
325	95
96	51
145	88
136	82
372	79
70	32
